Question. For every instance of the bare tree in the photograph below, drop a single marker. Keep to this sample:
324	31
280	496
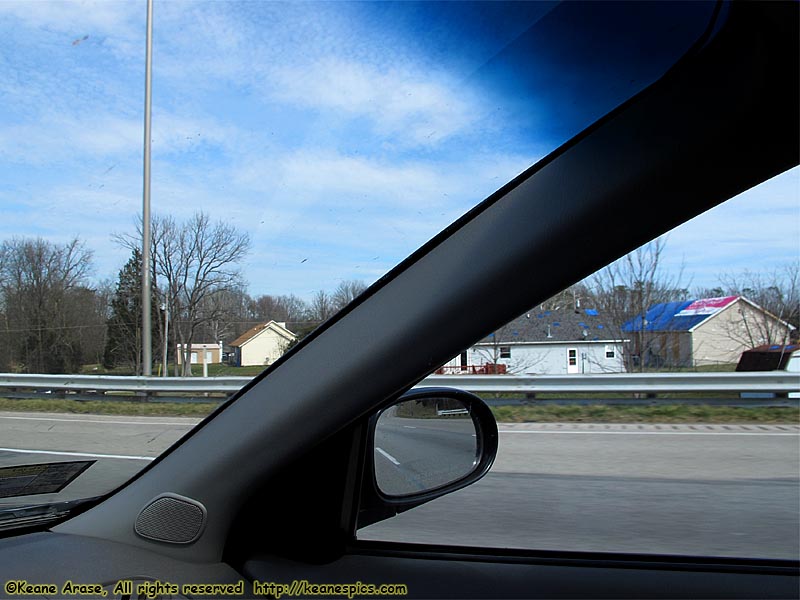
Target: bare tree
294	311
226	308
44	299
289	309
193	261
197	260
346	292
321	307
776	292
627	288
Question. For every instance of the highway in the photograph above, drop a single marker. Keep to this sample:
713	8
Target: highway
725	490
121	445
413	455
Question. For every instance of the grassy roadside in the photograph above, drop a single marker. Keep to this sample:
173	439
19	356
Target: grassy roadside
98	407
667	413
215	370
505	414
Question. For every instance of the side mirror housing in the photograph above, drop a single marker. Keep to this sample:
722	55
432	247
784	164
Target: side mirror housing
428	443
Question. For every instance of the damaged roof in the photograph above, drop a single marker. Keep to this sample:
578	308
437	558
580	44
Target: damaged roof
563	324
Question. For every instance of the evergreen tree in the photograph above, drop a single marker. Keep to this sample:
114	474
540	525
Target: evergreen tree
124	326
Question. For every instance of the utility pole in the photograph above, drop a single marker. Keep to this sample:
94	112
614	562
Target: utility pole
164	372
147	342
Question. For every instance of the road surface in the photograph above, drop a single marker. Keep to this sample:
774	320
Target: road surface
725	490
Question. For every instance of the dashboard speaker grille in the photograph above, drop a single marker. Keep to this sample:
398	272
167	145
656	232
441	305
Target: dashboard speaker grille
171	518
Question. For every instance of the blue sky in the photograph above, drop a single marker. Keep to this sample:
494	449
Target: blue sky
339	136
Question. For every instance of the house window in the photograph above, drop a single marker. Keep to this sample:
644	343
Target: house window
610	352
572	356
505	351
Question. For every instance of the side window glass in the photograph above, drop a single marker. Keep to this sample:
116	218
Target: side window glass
654	458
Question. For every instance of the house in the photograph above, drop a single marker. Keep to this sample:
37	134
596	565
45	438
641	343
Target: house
706	331
201	353
560	341
262	345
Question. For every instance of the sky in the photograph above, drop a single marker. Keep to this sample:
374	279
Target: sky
339	136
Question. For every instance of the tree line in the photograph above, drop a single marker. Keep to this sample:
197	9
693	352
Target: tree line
54	319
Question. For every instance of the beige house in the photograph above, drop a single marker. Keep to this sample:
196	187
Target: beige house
704	332
262	344
202	353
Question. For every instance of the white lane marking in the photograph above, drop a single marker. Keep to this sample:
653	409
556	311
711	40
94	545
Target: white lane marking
409	427
387	455
82	454
99	421
722	433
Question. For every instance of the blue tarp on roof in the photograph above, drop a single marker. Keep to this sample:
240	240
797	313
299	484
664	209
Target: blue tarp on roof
663	317
592	312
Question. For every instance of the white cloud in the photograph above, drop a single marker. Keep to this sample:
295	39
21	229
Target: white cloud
65	138
414	108
60	137
85	16
308	176
115	25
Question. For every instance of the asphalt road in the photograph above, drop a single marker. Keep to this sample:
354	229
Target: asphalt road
120	445
413	455
685	489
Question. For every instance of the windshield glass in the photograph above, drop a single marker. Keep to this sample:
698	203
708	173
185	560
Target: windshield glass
299	152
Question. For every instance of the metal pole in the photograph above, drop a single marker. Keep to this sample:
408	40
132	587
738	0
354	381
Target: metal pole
147	343
166	337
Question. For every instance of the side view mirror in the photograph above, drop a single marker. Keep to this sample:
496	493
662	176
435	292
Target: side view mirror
430	442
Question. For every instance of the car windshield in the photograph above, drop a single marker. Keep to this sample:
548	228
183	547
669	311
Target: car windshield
299	152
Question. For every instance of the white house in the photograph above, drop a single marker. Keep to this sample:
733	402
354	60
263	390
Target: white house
546	342
262	344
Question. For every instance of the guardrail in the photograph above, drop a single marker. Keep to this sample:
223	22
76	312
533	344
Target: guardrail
777	382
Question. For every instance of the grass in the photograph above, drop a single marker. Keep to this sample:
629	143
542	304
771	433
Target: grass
215	370
668	413
507	414
109	407
610	395
228	371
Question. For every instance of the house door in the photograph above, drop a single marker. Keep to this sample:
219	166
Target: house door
463	360
572	360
